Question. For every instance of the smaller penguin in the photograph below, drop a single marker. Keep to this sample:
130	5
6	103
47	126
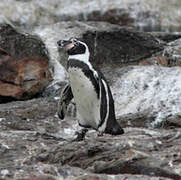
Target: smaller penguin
90	90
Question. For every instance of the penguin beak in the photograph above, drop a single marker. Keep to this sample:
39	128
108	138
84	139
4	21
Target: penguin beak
63	43
67	45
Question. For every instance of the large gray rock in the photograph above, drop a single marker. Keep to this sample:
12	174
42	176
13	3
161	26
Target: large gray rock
173	52
149	93
147	15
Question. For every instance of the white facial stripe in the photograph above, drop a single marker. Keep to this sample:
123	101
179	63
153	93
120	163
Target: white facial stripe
102	128
69	46
81	57
84	58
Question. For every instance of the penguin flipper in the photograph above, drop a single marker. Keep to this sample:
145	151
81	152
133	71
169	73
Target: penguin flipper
107	109
65	97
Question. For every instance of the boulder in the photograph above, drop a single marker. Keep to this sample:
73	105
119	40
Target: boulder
173	52
23	78
24	65
147	95
158	60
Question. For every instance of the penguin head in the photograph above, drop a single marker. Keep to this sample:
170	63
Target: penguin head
73	46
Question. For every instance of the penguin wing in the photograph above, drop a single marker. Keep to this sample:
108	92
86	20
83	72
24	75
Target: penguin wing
65	97
103	98
107	111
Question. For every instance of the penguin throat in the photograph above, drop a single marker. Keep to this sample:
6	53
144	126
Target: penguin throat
81	57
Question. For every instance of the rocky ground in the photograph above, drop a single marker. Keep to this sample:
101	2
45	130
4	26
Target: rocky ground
35	144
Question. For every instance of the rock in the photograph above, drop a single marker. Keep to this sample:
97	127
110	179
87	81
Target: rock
152	16
23	78
173	52
158	60
141	14
36	144
148	96
20	44
167	36
24	65
37	177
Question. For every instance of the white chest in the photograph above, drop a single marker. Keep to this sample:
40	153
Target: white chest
85	96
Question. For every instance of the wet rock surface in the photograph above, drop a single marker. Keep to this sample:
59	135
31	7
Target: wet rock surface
24	65
35	144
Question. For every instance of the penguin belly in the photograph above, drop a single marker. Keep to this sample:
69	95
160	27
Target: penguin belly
85	96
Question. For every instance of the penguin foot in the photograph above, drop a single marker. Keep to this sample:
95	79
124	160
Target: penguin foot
80	135
100	134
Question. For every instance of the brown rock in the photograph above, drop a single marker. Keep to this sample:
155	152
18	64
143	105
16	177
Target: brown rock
115	16
158	60
24	65
22	78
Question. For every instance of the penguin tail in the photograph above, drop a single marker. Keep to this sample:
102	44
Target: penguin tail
117	130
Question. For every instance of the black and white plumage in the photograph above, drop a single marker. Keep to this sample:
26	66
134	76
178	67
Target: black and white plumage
90	90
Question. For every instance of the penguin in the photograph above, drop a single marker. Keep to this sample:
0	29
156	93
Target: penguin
90	90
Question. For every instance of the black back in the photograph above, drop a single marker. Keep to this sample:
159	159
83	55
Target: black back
112	126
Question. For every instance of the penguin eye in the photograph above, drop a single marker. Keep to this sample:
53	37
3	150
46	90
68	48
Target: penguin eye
71	39
74	40
76	43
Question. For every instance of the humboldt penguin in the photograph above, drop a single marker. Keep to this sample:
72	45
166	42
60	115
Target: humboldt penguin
90	90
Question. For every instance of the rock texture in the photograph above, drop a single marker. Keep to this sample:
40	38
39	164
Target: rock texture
173	52
35	144
23	78
24	66
152	15
158	60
